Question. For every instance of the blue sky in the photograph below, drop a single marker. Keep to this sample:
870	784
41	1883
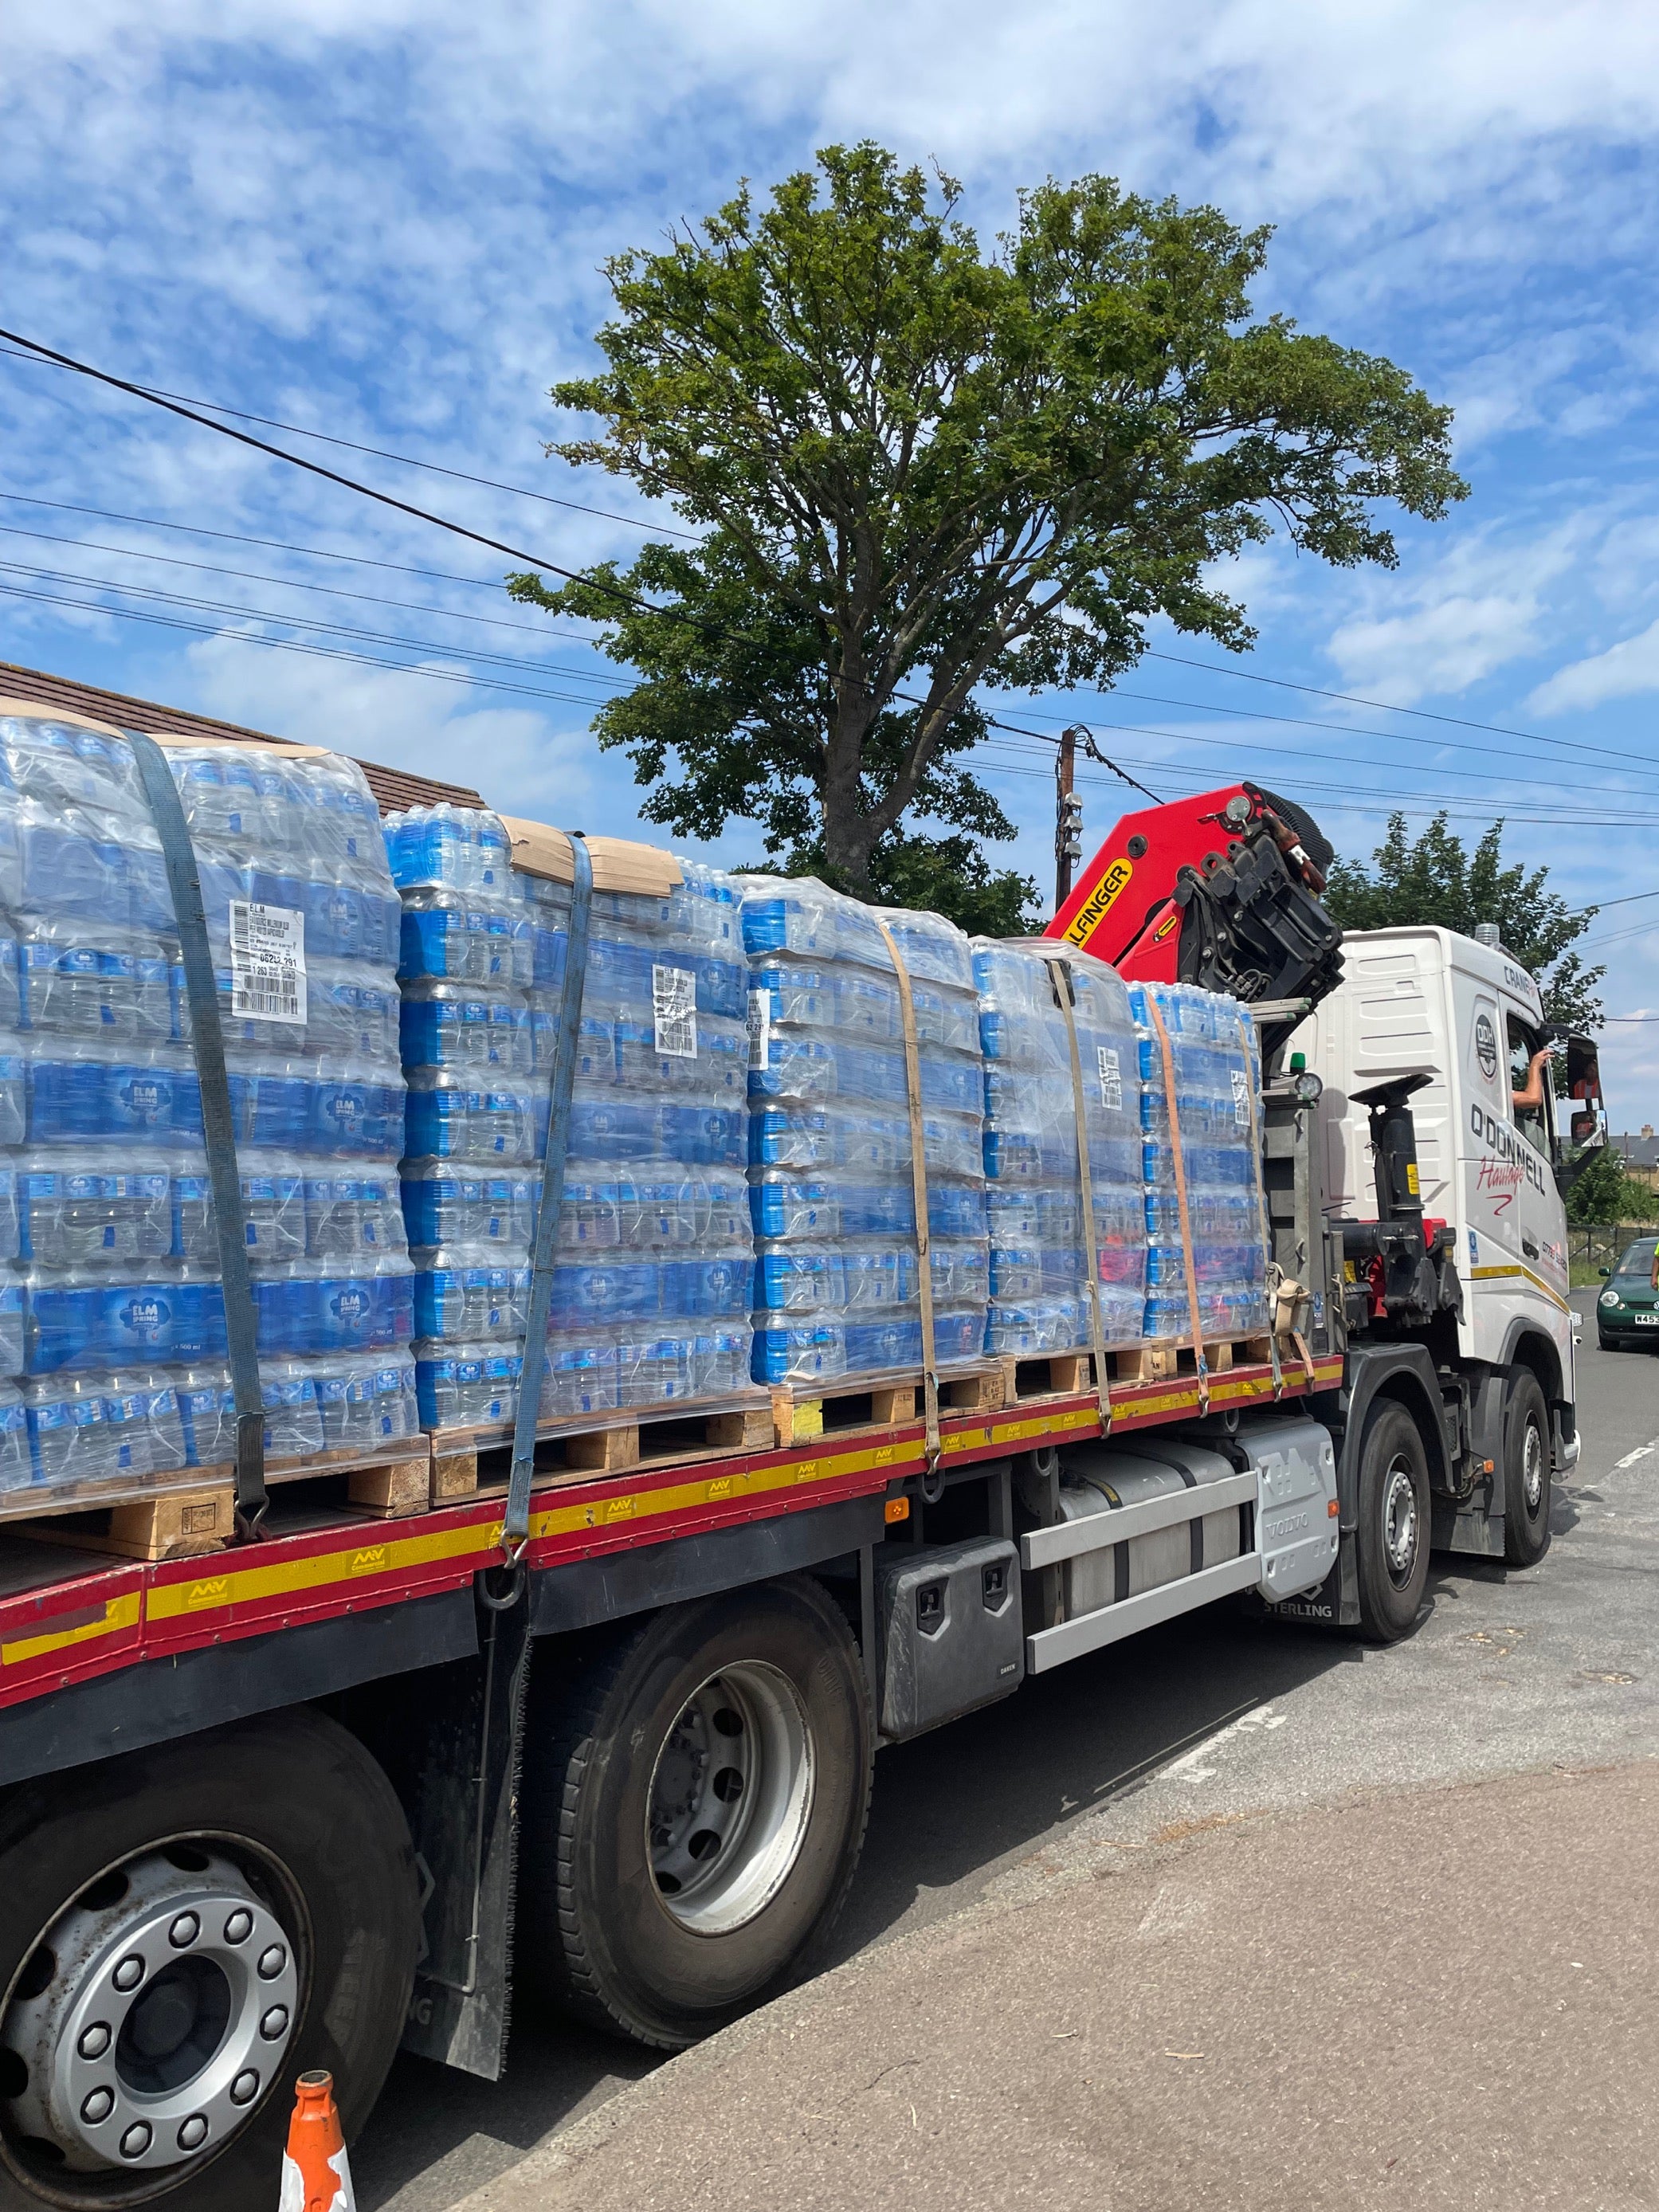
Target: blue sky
384	221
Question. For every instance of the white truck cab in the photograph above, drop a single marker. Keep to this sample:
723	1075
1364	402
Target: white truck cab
1426	1001
1464	1018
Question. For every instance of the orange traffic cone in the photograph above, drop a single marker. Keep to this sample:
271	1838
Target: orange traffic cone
315	2175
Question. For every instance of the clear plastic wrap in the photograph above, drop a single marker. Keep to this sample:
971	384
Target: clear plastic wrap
837	1286
111	1308
651	1287
1217	1076
1039	1263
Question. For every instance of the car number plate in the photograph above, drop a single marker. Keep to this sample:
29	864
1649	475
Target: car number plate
1646	1321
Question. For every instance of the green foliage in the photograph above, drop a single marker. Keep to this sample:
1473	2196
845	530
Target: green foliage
1603	1192
1436	880
921	470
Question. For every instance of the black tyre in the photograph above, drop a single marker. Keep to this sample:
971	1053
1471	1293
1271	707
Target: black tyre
1610	1343
182	1931
1527	1453
694	1808
1394	1523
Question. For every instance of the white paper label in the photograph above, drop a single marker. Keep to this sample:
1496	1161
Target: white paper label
1111	1081
674	1006
1241	1099
760	1029
267	962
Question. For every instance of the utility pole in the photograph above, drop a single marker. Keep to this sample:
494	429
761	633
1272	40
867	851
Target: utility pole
1068	815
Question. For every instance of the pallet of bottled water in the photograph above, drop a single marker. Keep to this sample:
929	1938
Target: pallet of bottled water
651	1282
112	1330
837	1284
1218	1086
1040	1256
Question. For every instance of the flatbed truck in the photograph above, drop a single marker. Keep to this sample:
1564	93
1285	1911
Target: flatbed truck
295	1802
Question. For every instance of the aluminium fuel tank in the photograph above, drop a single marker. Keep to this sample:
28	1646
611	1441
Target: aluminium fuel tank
1103	1479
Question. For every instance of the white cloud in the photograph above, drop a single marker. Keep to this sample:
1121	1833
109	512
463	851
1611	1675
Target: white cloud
1629	666
520	761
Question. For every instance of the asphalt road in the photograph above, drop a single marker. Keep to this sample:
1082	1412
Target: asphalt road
1179	1731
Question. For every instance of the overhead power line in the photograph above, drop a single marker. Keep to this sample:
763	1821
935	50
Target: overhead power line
378	452
1283	684
423	514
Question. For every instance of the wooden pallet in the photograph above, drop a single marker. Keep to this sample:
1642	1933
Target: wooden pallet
198	1516
467	1460
1160	1363
881	1404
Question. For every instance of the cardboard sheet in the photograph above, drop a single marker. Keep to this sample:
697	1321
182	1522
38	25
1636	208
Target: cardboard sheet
619	865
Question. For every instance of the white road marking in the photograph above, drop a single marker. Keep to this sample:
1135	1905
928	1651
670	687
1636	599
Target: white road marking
1642	1451
1188	1769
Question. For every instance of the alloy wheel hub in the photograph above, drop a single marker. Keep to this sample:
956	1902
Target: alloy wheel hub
1400	1522
152	2015
729	1799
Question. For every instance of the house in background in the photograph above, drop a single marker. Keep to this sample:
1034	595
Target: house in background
1641	1156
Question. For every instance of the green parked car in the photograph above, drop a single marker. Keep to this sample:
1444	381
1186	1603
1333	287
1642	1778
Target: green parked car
1627	1311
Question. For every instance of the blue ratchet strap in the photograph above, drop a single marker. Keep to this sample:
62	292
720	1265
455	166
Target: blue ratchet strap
515	1527
218	1127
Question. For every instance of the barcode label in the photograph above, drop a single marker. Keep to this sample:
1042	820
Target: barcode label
1241	1099
1111	1080
267	962
760	1029
674	1007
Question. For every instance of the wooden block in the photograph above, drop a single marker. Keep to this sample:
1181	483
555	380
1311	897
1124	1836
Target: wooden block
988	1392
894	1403
605	1452
402	1485
180	1524
746	1432
1219	1358
796	1422
454	1475
1070	1372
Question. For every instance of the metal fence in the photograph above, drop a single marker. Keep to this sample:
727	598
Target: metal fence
1601	1244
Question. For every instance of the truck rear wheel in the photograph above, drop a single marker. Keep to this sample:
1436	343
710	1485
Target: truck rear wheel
695	1802
1394	1523
1527	1454
182	1931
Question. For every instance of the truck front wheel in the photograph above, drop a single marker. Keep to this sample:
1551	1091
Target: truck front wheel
1394	1523
182	1931
1527	1453
694	1807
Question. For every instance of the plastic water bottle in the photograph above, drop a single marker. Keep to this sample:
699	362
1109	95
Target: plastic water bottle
466	1385
16	1464
207	1414
93	1208
358	1216
294	1424
344	1388
143	1434
64	1415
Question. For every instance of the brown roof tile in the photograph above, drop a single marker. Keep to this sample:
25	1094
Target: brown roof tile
393	788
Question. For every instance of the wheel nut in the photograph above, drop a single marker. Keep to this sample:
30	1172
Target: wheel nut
98	2107
245	2088
184	1931
274	2023
271	1962
136	2142
240	1926
95	2040
193	2133
128	1975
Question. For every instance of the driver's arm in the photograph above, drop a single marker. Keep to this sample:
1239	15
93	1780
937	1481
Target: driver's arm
1532	1098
